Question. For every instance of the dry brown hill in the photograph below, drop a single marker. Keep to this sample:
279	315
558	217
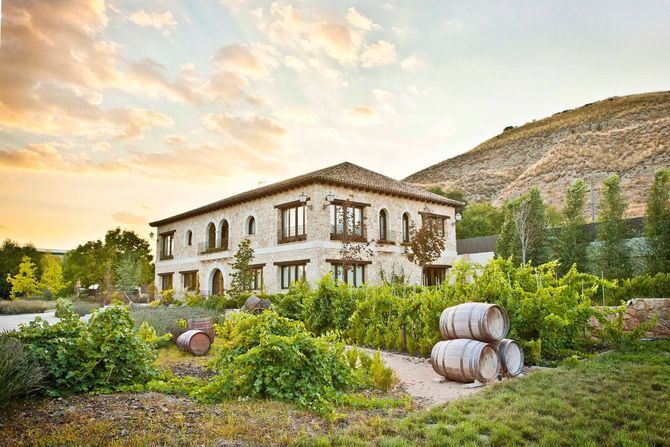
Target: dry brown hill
627	135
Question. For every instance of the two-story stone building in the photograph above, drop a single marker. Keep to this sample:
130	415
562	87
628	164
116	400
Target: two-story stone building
296	228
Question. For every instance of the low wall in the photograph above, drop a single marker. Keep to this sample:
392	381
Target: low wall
640	310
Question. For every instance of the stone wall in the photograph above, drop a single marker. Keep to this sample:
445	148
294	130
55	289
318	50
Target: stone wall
317	247
640	310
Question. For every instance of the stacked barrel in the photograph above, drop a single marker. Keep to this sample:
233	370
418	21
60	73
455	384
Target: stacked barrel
474	346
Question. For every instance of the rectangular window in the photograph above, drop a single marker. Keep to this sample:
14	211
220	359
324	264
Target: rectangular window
291	273
257	280
166	281
190	281
167	245
434	276
292	224
346	220
354	275
435	221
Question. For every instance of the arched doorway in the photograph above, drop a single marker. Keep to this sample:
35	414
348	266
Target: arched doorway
217	282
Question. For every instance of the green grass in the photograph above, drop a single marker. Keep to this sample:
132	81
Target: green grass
616	399
20	306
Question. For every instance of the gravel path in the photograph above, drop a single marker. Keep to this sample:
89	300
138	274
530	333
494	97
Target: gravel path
12	322
421	382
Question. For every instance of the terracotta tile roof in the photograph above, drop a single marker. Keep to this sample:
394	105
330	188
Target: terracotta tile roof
343	174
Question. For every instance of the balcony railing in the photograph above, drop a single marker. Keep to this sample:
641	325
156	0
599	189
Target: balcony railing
356	234
291	234
207	248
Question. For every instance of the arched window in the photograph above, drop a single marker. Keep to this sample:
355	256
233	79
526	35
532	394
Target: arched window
383	227
251	225
217	283
189	237
224	234
405	227
211	235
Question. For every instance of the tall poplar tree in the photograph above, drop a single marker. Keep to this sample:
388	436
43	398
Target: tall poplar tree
524	230
613	257
571	239
657	223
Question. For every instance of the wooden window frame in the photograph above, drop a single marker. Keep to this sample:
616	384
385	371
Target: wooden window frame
167	251
255	283
251	225
438	219
297	265
405	228
163	277
336	235
285	233
429	271
339	264
196	280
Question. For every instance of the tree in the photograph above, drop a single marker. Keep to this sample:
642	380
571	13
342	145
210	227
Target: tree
128	272
479	219
243	274
11	254
455	194
24	282
425	245
613	258
524	229
657	223
119	242
52	280
570	239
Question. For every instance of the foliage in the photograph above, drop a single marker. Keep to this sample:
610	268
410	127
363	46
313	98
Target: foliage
193	299
426	244
19	306
455	194
147	333
657	223
242	273
524	229
129	272
612	332
570	241
270	356
102	354
51	280
479	219
63	308
613	257
643	286
167	297
98	262
11	254
165	320
20	374
292	304
330	306
24	283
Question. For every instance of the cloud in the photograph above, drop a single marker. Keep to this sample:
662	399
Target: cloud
161	21
379	53
412	64
361	116
456	26
257	132
358	20
227	86
148	76
254	62
129	218
298	115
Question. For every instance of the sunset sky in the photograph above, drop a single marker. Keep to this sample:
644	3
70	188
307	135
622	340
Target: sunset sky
116	113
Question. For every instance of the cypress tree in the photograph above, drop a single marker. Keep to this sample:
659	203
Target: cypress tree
657	223
613	257
571	240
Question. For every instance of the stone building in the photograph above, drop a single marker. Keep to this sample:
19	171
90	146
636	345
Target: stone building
298	227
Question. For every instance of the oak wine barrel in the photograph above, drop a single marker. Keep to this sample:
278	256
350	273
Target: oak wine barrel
194	341
465	360
205	324
255	305
511	356
478	321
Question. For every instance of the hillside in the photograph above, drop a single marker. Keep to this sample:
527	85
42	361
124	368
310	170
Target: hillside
627	135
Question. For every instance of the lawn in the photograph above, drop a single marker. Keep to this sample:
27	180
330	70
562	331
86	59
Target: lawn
615	399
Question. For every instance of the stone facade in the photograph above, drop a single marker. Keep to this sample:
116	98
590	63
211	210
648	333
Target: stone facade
317	248
641	310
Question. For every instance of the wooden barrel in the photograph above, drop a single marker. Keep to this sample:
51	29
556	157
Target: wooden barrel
205	324
194	341
255	305
478	321
511	356
465	360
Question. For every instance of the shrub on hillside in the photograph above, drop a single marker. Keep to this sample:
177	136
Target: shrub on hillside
102	354
20	373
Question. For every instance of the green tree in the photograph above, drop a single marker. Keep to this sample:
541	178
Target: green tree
523	235
571	240
11	254
613	258
243	274
657	223
455	194
479	219
25	281
52	275
119	242
129	272
85	264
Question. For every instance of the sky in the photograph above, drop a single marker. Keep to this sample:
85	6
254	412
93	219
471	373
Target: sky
116	113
